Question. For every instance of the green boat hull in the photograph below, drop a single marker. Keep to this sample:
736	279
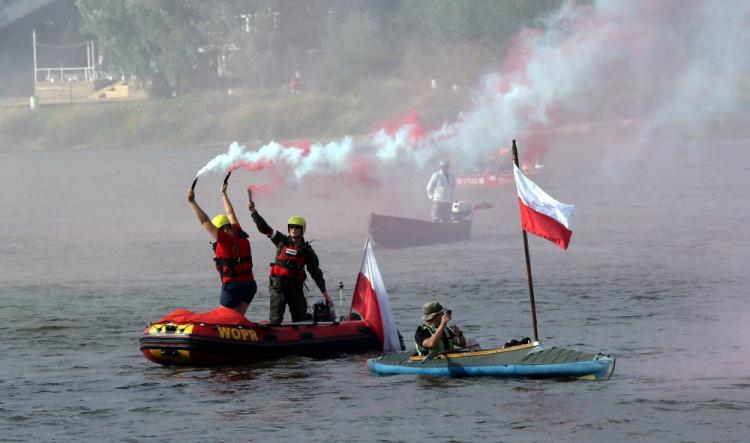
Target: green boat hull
530	361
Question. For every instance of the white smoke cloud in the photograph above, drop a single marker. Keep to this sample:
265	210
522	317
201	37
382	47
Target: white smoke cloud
668	62
712	38
330	158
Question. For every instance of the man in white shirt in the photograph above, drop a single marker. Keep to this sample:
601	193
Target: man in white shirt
440	191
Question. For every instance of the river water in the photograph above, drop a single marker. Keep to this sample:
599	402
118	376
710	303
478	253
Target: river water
95	244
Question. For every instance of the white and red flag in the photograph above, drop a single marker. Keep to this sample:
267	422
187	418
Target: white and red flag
371	300
541	214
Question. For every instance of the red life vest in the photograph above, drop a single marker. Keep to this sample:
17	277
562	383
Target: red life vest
234	261
290	263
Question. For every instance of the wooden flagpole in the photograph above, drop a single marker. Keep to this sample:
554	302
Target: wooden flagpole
528	261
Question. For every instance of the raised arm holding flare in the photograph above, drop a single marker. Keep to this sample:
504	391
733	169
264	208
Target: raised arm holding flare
293	256
232	253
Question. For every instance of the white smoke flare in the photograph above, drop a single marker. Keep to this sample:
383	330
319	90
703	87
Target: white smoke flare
330	158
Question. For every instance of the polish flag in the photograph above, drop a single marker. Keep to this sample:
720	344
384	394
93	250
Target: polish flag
371	300
541	214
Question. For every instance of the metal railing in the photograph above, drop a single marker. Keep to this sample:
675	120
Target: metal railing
78	74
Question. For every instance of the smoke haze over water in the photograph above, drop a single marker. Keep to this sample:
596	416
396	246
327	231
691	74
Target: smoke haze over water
622	71
636	109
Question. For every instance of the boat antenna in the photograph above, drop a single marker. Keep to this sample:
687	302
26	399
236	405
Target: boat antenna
528	261
341	295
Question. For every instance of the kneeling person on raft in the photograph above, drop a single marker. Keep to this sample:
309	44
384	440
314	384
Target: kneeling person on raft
434	335
232	254
293	256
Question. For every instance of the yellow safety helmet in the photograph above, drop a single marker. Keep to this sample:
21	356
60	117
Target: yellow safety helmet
297	220
220	221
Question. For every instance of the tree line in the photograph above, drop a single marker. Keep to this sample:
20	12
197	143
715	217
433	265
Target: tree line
176	46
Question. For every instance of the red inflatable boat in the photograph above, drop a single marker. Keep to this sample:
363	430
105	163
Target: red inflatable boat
223	336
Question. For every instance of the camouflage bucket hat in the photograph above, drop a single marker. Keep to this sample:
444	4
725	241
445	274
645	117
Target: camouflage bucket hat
431	309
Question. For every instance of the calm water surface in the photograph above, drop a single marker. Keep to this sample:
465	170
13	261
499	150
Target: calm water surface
95	244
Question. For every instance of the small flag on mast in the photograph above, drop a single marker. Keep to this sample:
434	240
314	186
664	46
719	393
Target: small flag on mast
541	214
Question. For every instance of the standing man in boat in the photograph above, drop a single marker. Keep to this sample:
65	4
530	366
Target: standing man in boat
440	192
434	335
233	257
293	255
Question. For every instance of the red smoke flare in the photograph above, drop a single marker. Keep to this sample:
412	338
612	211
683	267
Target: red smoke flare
260	190
303	144
415	131
361	172
251	166
515	64
264	189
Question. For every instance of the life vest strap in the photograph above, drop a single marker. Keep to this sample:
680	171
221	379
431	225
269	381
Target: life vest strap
227	267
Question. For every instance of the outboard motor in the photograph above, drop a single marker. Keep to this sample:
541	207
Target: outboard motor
322	313
461	210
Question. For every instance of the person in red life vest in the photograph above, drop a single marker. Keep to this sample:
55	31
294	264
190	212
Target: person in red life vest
232	254
293	256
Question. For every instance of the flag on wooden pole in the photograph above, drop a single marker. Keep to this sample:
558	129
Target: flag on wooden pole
541	214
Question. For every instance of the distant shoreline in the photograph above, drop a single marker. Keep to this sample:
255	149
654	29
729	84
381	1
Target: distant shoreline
254	117
206	118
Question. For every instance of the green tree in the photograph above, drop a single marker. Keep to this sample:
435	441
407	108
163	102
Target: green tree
356	46
157	40
436	22
178	44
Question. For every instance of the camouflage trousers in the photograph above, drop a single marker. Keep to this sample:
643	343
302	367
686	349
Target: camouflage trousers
283	292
